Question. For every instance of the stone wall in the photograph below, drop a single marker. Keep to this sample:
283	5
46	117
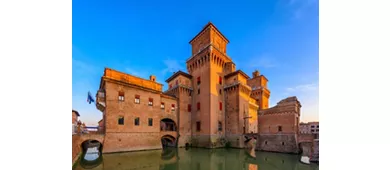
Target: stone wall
122	141
285	143
76	149
315	157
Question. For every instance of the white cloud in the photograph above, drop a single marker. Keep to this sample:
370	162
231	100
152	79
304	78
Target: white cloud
172	66
303	88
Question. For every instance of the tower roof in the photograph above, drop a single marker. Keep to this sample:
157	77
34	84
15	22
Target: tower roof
177	74
209	24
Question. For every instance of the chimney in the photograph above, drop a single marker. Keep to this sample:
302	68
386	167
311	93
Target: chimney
256	73
152	78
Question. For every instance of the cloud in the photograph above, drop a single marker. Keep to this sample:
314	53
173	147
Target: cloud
172	66
299	7
264	61
303	88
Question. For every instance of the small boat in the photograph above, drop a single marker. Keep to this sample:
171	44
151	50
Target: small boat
305	160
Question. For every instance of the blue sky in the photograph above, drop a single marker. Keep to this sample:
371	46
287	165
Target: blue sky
277	37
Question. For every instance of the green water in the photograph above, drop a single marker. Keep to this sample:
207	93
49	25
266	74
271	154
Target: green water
196	159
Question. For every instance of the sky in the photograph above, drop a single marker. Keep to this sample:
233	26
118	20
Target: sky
277	37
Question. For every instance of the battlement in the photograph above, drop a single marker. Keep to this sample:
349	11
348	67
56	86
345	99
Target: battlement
130	79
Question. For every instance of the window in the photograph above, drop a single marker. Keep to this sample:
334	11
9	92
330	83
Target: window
136	121
312	130
198	80
265	142
150	102
220	91
198	126
220	126
198	106
189	107
312	126
121	96
220	80
279	128
137	100
150	121
121	120
189	94
170	86
173	107
282	143
162	105
177	82
198	91
220	105
318	126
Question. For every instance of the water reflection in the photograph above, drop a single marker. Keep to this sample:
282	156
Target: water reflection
201	159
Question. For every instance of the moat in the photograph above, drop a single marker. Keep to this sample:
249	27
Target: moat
196	159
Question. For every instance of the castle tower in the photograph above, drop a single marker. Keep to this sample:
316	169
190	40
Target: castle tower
207	66
260	91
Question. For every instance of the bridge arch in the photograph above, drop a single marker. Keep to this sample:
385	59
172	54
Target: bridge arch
167	124
168	141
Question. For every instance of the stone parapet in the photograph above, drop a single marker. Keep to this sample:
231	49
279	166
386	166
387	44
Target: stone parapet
285	143
133	80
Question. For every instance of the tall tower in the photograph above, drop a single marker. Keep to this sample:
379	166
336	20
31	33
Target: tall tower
260	91
207	66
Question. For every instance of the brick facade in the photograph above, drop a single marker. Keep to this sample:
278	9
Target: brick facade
279	127
211	104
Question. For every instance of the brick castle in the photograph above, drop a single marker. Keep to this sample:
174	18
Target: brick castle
211	105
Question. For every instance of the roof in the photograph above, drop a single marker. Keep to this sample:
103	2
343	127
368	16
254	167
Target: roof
177	74
205	27
100	120
77	113
236	72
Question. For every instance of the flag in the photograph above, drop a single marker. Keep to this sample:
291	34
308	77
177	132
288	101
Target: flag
90	98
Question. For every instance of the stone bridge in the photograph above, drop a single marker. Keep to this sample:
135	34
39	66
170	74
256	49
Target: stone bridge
77	141
309	146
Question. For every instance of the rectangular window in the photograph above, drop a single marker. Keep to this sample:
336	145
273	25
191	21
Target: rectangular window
170	86
121	120
150	102
279	128
162	105
220	91
189	107
198	80
198	91
137	99
136	121
150	121
220	80
173	107
177	82
198	126
198	106
121	96
220	105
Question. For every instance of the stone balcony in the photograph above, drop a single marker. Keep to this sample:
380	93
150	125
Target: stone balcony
101	100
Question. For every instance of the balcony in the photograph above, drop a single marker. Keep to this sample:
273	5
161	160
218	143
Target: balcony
101	100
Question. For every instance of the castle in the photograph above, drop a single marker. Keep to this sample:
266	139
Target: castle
211	105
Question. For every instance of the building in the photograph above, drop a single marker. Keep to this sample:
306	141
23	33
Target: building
309	128
75	116
210	105
304	128
279	127
100	126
